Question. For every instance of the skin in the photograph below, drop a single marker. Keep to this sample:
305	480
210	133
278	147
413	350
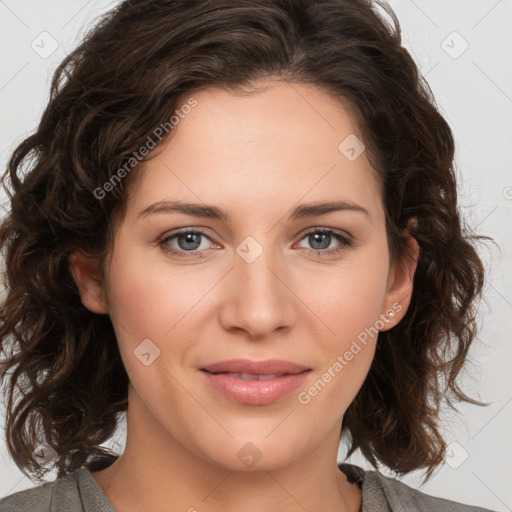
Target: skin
257	156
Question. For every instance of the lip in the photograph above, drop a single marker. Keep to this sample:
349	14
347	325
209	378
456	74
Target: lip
255	392
265	367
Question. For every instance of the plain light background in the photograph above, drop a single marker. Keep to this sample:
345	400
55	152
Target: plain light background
464	49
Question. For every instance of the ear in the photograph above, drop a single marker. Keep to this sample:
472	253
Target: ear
400	282
88	278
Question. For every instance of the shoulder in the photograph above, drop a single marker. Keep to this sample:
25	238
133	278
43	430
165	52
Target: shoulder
36	498
382	493
74	492
402	497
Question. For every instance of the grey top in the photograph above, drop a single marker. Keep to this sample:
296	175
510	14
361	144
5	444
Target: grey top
79	492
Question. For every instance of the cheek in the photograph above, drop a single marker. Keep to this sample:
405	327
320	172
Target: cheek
150	301
349	303
142	306
350	299
147	298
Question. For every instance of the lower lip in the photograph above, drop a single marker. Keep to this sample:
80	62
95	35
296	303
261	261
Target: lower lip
255	392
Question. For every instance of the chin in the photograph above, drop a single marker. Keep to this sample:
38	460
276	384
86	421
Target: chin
251	456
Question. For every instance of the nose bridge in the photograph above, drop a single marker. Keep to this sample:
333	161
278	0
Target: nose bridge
261	302
259	277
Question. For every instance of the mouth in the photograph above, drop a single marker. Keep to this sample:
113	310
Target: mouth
251	376
249	367
255	382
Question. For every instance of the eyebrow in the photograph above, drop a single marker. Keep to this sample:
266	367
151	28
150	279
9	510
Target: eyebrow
213	212
315	209
193	209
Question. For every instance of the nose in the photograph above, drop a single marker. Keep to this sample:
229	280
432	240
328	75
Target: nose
260	301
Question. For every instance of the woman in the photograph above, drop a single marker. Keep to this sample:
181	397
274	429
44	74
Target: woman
240	226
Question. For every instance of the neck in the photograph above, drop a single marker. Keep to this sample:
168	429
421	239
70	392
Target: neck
156	472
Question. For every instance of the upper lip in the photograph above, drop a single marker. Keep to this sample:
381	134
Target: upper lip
267	367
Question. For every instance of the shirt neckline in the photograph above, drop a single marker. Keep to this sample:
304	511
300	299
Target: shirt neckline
367	481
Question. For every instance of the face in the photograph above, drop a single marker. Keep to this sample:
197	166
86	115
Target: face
252	273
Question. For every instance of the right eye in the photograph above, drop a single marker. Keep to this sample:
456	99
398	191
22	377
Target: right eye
185	243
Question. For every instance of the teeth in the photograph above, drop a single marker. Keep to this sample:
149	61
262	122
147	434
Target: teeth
251	376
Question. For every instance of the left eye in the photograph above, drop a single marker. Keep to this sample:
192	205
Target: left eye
321	239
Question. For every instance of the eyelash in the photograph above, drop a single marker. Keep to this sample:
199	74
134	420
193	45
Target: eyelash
318	253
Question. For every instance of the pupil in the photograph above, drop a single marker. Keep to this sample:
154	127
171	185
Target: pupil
192	241
323	245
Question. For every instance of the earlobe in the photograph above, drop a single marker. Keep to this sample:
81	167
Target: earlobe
401	282
87	276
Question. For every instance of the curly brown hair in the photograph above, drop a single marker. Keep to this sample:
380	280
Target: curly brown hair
107	97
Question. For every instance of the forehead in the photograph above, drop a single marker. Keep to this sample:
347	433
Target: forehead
277	144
